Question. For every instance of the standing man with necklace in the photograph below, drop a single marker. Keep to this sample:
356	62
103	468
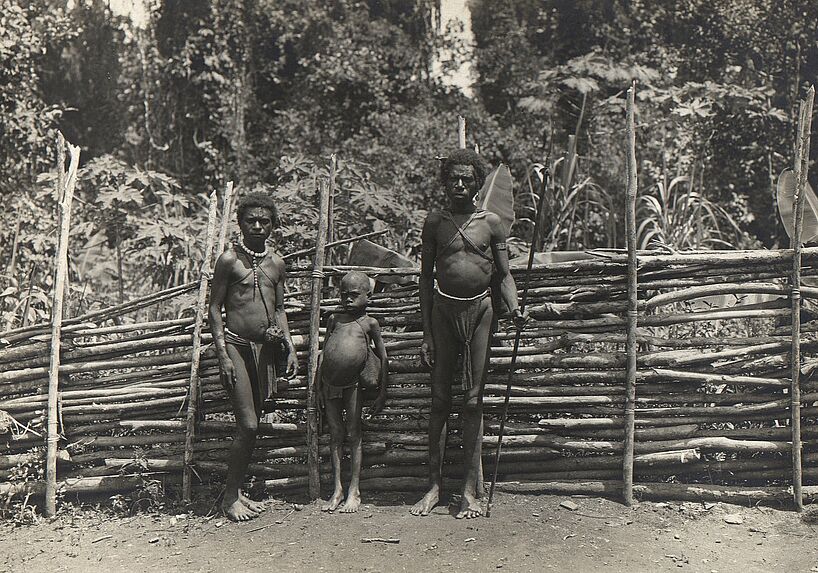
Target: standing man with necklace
248	282
463	247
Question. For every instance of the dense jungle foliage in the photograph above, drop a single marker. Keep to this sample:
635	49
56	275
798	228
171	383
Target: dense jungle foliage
261	92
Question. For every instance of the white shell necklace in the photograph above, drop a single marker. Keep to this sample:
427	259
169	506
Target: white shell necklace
255	258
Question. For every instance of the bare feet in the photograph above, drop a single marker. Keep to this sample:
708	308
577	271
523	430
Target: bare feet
334	501
254	506
237	511
427	503
469	507
352	503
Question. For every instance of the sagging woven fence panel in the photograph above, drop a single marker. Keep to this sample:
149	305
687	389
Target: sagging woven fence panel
712	385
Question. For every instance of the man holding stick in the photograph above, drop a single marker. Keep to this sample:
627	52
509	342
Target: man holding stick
462	248
248	281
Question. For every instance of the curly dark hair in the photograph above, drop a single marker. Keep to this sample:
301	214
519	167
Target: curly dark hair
257	199
359	279
465	157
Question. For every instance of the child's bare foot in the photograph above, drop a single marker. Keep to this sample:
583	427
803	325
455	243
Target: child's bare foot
237	511
352	503
333	502
469	507
427	503
254	506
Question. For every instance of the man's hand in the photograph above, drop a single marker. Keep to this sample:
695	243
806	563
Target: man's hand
380	402
227	374
427	351
292	363
519	318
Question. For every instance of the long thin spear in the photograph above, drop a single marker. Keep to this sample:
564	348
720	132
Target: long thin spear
516	348
801	168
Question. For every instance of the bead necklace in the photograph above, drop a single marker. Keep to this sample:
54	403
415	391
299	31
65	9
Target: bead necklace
255	258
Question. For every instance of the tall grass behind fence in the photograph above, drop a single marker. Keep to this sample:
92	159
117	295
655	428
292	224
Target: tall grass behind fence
712	398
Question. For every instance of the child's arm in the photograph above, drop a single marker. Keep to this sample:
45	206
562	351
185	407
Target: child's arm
380	350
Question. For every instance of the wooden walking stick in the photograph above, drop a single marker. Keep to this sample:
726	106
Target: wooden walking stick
65	196
313	459
510	377
801	168
194	390
630	344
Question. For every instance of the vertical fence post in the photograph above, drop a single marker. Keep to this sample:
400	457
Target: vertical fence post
333	166
64	195
801	168
194	393
313	461
226	206
630	344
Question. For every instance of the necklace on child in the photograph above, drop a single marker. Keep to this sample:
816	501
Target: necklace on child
255	258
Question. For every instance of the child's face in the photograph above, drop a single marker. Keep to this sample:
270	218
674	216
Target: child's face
354	296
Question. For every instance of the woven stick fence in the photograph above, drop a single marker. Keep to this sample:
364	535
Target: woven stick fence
712	392
712	405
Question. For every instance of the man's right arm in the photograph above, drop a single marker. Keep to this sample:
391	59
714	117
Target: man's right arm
218	292
427	285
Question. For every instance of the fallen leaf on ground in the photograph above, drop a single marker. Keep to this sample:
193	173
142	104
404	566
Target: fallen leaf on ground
733	519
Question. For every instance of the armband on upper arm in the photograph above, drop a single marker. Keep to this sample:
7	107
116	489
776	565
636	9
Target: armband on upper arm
501	246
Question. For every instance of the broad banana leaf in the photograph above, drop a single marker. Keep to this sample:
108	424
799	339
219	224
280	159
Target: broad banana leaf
497	195
368	254
785	197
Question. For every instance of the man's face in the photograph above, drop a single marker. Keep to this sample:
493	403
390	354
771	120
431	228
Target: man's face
256	223
354	296
461	183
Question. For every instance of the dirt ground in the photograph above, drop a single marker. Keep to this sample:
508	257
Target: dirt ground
524	533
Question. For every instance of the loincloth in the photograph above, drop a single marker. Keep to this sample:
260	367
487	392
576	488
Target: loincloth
261	356
462	316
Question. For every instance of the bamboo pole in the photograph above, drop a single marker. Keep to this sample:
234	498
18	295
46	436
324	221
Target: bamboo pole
194	389
315	322
630	344
801	170
65	196
461	132
225	223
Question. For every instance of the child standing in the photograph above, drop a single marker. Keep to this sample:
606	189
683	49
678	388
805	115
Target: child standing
349	365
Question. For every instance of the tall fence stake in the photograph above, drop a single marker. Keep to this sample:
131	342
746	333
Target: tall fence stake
630	344
226	206
313	460
64	196
194	390
801	168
